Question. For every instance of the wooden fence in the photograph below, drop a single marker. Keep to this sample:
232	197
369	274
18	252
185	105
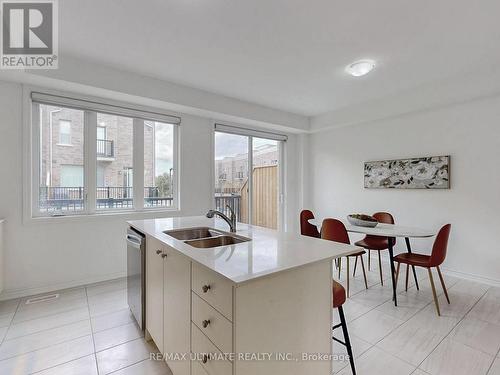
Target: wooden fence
264	197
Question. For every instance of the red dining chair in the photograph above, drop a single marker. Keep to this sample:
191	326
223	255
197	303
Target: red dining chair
306	228
378	243
338	300
436	258
334	230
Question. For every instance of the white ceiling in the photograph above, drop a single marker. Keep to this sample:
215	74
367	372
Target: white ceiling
286	54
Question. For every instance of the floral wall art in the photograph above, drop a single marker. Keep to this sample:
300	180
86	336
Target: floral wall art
417	173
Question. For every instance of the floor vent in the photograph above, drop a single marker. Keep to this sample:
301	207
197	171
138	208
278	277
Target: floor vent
48	297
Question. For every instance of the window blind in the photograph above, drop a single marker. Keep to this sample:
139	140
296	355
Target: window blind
250	132
133	111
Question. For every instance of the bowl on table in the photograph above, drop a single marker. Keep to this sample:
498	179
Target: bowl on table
362	220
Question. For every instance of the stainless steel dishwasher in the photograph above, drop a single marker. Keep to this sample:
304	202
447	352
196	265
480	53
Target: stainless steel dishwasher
136	275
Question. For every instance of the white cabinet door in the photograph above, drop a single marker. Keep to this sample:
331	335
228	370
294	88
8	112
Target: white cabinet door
177	307
154	290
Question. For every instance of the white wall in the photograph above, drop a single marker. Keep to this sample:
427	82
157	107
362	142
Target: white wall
63	253
98	80
469	132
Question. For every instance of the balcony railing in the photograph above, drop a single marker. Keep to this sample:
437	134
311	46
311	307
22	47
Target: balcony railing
105	148
68	199
231	200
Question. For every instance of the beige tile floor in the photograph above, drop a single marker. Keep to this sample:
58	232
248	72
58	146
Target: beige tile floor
90	331
86	331
411	338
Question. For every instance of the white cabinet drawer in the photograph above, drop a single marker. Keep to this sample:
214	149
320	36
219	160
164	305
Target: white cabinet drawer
214	289
212	323
200	344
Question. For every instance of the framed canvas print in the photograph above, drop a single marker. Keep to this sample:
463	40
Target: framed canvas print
431	172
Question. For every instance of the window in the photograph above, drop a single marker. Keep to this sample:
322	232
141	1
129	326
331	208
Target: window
101	170
60	169
231	155
105	147
72	175
265	182
158	164
101	132
115	159
64	132
122	158
248	175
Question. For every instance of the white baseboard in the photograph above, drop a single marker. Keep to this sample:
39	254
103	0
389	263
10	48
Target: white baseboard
460	275
25	292
19	293
468	276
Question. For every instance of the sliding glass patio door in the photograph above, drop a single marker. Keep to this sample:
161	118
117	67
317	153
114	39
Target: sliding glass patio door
265	182
231	173
248	177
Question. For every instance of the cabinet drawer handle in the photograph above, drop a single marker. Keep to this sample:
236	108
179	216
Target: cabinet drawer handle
158	252
163	256
205	323
205	288
205	358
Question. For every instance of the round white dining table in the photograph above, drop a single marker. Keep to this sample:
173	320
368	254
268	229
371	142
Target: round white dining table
390	231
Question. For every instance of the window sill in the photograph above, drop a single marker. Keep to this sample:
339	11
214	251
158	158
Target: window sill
105	215
64	144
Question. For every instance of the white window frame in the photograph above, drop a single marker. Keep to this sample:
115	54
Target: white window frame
31	155
251	134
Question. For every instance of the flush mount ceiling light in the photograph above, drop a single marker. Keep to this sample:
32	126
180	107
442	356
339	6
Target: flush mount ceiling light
360	68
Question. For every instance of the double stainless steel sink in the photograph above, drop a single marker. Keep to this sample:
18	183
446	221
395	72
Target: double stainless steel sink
205	237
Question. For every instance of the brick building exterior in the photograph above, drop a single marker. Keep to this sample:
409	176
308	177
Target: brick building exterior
62	149
231	172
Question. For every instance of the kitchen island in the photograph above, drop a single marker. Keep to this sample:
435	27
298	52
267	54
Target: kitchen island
257	301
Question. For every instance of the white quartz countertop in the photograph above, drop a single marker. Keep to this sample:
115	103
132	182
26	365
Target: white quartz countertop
268	252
